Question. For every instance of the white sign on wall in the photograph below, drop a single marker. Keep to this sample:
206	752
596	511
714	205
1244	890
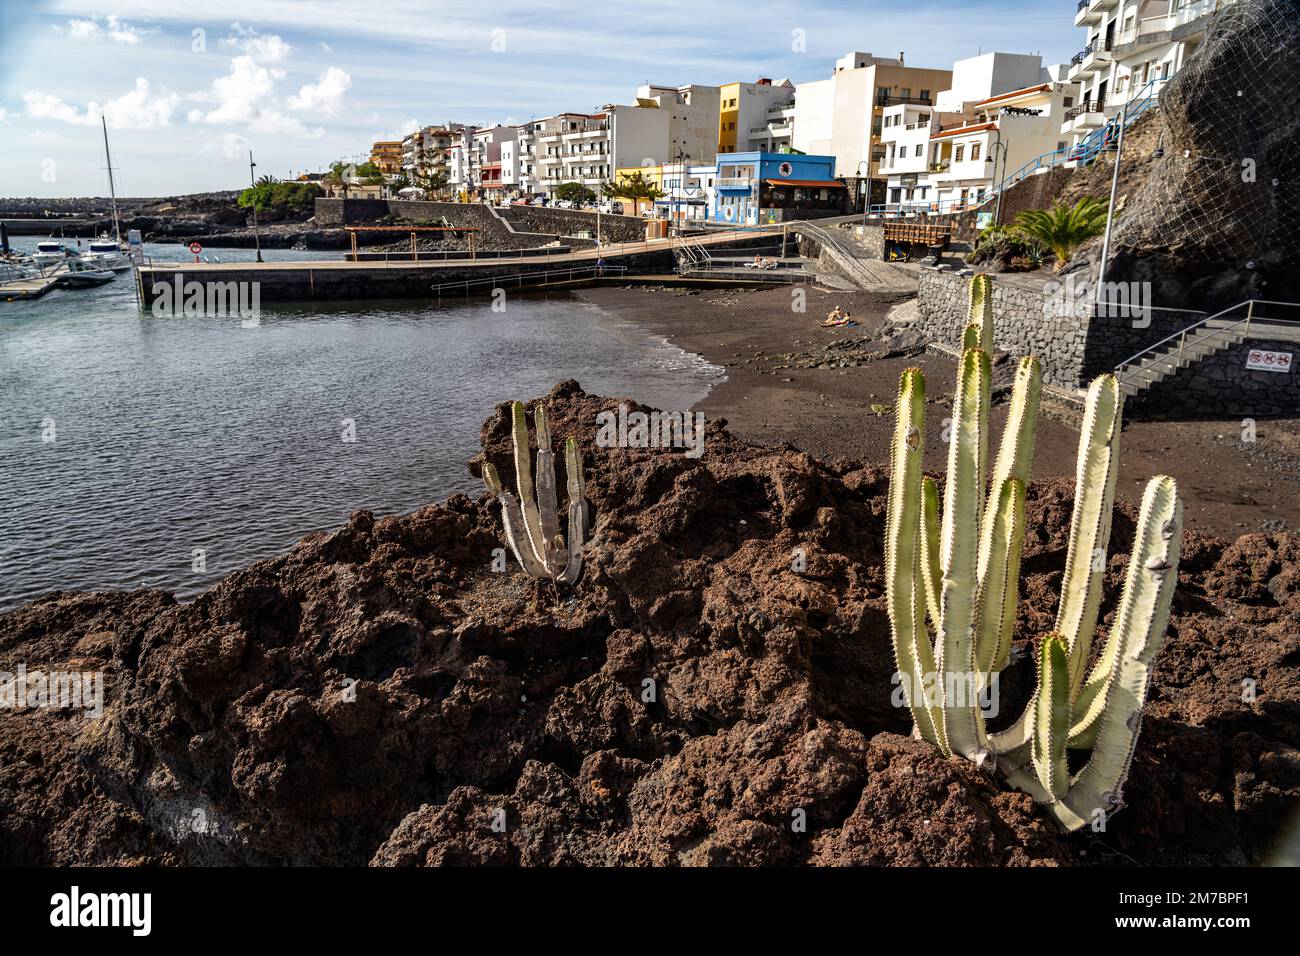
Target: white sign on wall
1269	361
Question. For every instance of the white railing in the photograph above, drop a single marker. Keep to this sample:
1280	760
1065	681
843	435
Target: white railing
1131	367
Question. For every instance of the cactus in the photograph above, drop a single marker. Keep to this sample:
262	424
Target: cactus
961	570
532	522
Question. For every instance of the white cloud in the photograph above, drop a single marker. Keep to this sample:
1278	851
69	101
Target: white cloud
325	96
3	114
239	93
265	48
228	146
114	28
274	123
245	96
326	47
136	109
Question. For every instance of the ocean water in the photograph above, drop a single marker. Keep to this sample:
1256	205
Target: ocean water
166	452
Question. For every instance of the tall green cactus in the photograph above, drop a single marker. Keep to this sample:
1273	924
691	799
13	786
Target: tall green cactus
532	521
961	569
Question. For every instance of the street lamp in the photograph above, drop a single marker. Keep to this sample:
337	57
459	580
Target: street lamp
997	183
252	180
1110	210
866	200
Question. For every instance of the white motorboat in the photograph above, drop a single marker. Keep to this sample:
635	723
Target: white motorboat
108	254
51	252
82	273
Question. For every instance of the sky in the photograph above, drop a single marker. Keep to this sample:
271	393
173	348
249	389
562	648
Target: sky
189	88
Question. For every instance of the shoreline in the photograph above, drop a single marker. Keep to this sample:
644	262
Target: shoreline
1231	487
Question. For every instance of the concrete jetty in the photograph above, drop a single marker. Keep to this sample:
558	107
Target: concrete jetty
341	279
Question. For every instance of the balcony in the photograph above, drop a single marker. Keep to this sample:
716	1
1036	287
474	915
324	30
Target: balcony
1092	11
941	167
887	99
1088	115
1093	58
1194	11
1147	33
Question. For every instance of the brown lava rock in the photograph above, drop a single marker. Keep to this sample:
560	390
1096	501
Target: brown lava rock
380	695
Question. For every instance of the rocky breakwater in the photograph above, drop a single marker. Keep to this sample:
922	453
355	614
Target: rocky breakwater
383	694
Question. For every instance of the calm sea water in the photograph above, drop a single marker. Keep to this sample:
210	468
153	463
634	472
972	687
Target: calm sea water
176	435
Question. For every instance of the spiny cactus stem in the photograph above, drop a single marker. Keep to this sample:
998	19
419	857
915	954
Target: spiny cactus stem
913	656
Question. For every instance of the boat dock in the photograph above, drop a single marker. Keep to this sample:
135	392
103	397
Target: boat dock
12	290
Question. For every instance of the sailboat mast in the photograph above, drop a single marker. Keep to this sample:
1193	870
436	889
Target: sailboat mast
112	190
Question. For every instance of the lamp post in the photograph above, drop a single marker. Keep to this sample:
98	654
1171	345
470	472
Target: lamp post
866	200
998	146
1110	210
252	180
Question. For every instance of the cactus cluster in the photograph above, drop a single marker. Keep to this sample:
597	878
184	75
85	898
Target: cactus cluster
960	570
532	520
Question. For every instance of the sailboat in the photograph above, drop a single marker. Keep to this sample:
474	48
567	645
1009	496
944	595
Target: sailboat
106	253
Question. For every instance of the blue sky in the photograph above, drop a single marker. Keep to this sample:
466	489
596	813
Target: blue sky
188	88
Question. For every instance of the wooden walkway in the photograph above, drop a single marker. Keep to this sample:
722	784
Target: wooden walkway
16	289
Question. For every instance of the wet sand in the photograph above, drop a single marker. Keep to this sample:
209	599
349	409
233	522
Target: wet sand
1230	487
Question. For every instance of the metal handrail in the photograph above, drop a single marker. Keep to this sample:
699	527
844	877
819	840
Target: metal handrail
817	232
1127	368
496	281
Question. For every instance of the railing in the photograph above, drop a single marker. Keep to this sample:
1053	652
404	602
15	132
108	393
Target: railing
1087	106
1194	11
864	277
496	282
1131	367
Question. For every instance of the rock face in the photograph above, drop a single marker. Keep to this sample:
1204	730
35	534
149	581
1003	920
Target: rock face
1218	211
381	694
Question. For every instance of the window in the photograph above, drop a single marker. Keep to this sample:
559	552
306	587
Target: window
907	92
1069	101
920	149
925	95
961	153
975	152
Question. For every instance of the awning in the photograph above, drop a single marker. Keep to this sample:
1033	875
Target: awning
807	183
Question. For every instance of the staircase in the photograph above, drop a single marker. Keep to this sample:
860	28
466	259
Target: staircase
1256	318
864	274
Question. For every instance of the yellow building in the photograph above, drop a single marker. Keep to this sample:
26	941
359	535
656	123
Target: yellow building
754	117
387	155
651	174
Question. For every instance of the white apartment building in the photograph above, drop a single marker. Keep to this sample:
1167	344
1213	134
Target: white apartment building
843	116
755	117
1132	47
425	151
692	126
688	191
572	148
1002	111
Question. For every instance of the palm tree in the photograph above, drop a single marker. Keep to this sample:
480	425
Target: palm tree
1065	228
266	181
634	187
340	176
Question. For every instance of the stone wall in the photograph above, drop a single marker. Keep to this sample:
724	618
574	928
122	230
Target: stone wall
1037	315
1024	323
492	232
567	222
1222	386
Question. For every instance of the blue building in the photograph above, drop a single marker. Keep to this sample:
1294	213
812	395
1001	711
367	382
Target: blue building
761	188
